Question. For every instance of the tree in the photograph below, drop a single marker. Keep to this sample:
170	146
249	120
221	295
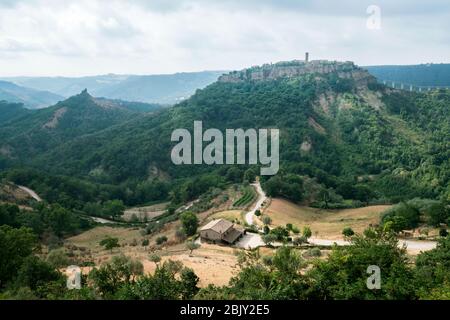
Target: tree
145	243
402	216
268	239
188	283
114	208
154	258
258	213
35	272
110	243
15	246
437	214
348	232
324	196
432	268
189	222
343	275
250	175
307	233
280	233
191	246
443	232
115	274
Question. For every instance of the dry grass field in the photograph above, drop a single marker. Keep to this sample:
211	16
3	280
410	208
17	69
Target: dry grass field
326	224
213	264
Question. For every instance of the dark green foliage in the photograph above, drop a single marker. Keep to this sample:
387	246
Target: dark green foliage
343	275
189	222
401	217
161	240
433	267
289	186
400	147
280	233
348	232
110	243
15	246
35	272
111	276
11	111
43	219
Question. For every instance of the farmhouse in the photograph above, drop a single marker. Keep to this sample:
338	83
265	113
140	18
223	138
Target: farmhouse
221	230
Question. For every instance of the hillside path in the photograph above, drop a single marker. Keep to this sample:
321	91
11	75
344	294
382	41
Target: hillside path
32	194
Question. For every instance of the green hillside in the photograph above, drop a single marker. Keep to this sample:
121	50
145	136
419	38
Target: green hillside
11	111
355	138
43	130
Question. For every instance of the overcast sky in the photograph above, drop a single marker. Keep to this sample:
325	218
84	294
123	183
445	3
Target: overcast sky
87	37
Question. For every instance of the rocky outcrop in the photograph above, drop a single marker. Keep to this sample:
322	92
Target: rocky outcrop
346	70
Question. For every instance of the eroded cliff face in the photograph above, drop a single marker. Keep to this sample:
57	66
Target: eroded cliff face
346	70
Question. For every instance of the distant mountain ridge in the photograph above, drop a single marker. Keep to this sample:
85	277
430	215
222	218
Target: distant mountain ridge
30	98
161	89
431	74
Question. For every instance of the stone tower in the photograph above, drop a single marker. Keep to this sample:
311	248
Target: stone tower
306	57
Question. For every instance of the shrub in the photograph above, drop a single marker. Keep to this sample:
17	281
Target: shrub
348	232
314	252
161	240
266	220
299	241
402	216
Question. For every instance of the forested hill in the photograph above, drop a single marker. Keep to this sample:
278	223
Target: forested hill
341	132
419	75
28	133
11	111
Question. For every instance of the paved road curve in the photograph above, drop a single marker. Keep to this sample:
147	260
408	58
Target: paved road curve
261	198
